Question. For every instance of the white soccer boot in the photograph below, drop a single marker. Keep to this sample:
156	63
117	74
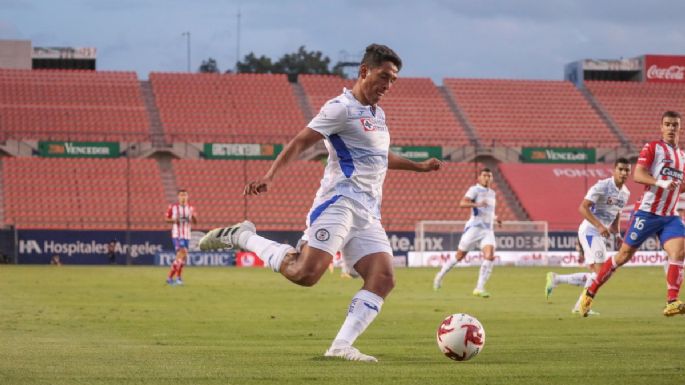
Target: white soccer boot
226	237
349	353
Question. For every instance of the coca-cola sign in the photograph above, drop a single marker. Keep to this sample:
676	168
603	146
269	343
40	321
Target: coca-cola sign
661	68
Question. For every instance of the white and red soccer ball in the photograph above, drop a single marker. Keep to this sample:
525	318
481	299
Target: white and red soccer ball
460	337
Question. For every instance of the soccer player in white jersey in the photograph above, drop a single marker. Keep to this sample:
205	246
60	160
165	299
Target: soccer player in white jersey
345	215
478	232
660	168
601	211
181	215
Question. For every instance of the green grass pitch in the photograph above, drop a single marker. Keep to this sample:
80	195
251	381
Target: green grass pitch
122	325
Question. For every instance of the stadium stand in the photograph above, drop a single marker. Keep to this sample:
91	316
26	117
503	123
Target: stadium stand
412	197
637	107
416	111
71	105
216	186
243	108
529	113
553	192
83	193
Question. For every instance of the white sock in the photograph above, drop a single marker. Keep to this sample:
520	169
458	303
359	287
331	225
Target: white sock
447	266
363	309
484	274
272	253
575	279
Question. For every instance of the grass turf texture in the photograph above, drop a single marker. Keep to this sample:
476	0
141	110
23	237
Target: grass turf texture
123	325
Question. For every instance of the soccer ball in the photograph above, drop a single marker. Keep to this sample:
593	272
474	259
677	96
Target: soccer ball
460	337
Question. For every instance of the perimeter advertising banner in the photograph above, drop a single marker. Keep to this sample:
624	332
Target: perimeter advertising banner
197	258
144	247
155	247
664	69
241	151
557	155
520	258
90	247
78	149
417	153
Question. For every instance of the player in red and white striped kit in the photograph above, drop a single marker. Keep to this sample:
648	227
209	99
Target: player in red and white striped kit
660	168
182	215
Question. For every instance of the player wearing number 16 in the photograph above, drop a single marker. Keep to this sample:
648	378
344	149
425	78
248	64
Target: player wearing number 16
660	168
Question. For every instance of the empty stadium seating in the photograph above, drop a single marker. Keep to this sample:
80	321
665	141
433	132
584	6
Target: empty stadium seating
637	107
71	105
83	193
216	186
243	108
417	114
411	197
553	193
216	190
529	113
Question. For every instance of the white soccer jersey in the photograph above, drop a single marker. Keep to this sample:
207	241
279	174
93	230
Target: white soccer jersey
481	216
664	162
608	200
182	216
357	140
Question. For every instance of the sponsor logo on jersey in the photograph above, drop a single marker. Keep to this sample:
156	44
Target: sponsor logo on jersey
372	124
633	236
673	173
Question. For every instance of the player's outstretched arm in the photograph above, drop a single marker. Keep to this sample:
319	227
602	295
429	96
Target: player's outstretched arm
396	162
643	176
302	141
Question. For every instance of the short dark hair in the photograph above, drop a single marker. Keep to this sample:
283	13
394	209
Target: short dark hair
484	169
376	54
181	190
621	160
670	114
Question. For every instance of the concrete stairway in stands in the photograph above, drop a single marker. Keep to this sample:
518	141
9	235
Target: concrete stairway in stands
166	170
460	115
156	128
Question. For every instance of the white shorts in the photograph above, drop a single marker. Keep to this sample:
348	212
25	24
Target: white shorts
473	235
346	226
594	246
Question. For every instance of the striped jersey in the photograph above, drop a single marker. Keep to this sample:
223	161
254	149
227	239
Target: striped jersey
357	140
481	216
608	200
182	216
664	162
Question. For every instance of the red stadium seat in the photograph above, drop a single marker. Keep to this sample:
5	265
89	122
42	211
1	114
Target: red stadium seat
83	193
72	105
637	107
529	113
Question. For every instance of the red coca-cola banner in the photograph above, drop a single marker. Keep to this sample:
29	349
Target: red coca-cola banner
664	69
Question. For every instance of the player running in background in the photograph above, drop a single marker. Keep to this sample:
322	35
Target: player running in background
182	215
478	232
660	168
345	215
601	210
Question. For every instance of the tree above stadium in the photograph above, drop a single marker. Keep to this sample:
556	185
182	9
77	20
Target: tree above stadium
293	64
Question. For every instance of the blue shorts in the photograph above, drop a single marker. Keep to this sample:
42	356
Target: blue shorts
644	224
180	243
